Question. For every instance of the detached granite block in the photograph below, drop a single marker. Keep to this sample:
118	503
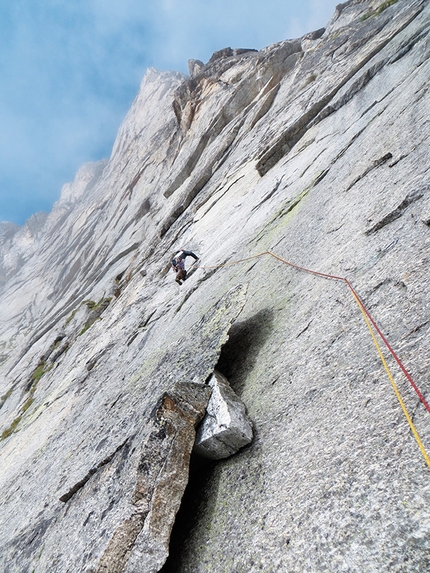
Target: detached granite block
226	427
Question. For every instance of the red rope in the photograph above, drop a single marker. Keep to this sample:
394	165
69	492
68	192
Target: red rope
392	352
378	330
346	281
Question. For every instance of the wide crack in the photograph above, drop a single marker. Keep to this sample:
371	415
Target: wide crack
194	501
237	359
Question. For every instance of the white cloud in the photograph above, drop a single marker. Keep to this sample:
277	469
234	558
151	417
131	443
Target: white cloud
71	69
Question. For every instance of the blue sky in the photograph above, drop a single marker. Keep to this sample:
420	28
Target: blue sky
69	70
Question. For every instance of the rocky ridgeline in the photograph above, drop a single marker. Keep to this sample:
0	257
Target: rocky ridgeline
316	149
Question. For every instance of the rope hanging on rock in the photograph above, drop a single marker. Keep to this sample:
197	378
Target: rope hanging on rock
396	390
369	322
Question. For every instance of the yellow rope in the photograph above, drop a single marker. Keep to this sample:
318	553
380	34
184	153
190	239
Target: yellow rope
390	376
369	326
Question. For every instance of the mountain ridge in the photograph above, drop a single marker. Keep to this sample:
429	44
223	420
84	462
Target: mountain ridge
315	149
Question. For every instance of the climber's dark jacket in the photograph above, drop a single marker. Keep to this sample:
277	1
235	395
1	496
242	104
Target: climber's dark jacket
178	264
179	258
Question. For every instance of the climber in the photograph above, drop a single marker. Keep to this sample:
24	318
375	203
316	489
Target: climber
178	264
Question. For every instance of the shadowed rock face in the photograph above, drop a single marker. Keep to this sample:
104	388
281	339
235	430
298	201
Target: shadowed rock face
316	149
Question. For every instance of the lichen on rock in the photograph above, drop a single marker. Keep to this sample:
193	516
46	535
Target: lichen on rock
316	149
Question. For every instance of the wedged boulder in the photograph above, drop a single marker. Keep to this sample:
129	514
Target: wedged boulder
226	427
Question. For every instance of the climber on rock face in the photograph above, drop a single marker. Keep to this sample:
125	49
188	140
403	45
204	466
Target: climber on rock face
178	264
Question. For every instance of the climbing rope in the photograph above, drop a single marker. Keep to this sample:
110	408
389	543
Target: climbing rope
396	390
369	322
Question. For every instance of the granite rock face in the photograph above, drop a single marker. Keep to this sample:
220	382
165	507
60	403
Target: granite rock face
141	541
316	149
